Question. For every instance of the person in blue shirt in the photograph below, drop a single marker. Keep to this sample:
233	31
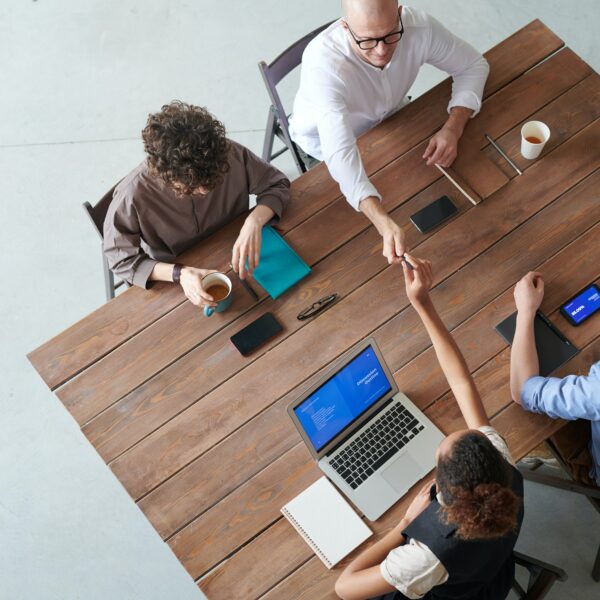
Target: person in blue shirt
572	397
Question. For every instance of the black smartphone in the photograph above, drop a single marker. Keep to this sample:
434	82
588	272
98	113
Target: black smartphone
256	334
582	306
433	214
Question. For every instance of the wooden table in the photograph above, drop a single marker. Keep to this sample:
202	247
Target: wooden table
199	436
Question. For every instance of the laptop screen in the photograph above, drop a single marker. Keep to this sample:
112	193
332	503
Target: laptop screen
343	398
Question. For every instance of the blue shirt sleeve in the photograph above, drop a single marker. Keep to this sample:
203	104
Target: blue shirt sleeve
572	397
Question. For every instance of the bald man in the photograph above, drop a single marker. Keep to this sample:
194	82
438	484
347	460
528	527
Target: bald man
357	72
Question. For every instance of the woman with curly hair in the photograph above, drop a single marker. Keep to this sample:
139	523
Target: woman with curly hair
194	181
457	536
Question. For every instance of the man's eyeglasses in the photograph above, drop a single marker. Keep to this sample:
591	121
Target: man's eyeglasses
391	38
317	307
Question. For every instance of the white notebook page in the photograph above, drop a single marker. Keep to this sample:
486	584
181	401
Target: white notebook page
326	522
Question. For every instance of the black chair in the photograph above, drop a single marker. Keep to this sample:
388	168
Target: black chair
541	577
277	120
97	214
592	493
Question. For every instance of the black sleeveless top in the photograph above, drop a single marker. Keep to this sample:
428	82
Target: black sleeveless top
477	569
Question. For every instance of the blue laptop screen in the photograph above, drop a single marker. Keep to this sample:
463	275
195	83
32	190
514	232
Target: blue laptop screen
343	398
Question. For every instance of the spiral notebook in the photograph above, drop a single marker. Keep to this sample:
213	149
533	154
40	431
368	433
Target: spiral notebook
326	522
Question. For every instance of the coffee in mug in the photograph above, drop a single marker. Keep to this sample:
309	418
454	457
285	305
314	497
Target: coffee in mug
218	291
218	285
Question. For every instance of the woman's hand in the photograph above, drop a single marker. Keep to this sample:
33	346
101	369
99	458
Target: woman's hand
420	502
417	280
191	282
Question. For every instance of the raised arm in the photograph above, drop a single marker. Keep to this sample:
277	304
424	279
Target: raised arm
524	363
418	282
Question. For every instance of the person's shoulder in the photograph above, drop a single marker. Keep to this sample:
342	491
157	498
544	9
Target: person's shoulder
327	50
415	18
497	441
136	190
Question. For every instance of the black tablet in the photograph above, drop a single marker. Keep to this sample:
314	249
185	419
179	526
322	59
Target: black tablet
553	348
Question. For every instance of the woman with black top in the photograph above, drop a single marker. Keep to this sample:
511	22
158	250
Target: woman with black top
457	536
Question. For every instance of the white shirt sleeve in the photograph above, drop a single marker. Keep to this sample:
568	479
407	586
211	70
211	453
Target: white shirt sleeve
466	66
338	142
413	569
498	442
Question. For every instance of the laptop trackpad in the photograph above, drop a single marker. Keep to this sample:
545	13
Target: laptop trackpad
403	473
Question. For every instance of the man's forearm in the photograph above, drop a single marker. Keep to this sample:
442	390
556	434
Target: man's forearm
372	208
523	355
458	119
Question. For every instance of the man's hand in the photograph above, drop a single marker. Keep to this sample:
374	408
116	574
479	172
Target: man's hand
390	231
417	280
191	282
247	246
393	241
442	148
420	502
529	293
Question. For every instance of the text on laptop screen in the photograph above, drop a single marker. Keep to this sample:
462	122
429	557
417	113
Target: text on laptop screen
343	398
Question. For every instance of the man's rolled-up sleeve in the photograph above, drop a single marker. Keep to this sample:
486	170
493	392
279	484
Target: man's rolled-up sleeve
122	248
467	67
572	397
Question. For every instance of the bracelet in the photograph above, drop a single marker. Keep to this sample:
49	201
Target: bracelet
176	272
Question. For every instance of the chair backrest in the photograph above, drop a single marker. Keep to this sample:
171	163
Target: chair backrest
542	577
284	64
97	213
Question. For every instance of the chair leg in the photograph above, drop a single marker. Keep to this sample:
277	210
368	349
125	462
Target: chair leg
109	280
596	569
269	135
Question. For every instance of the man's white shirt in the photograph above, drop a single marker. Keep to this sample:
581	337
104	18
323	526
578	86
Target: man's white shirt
341	96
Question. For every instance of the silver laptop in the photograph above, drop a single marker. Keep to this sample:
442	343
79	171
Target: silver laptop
366	436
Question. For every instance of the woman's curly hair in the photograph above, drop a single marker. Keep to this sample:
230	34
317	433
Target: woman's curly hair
186	146
474	480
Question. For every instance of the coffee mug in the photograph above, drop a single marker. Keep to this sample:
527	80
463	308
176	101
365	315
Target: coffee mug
219	287
534	136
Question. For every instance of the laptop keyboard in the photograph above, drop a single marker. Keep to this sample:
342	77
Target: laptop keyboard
376	445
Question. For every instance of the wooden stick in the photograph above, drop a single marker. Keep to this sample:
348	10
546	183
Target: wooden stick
457	185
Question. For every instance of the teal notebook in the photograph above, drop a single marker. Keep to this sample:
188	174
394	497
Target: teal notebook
279	267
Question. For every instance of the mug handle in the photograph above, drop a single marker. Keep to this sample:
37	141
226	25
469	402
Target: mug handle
208	311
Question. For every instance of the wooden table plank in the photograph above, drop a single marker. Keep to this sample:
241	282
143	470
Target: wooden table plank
163	453
566	115
67	354
202	484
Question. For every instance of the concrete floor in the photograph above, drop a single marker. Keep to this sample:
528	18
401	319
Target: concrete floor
78	80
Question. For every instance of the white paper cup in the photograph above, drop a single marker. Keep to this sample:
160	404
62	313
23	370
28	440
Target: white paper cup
537	130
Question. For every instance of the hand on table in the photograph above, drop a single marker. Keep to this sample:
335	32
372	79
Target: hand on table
247	246
442	148
191	282
417	280
529	293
